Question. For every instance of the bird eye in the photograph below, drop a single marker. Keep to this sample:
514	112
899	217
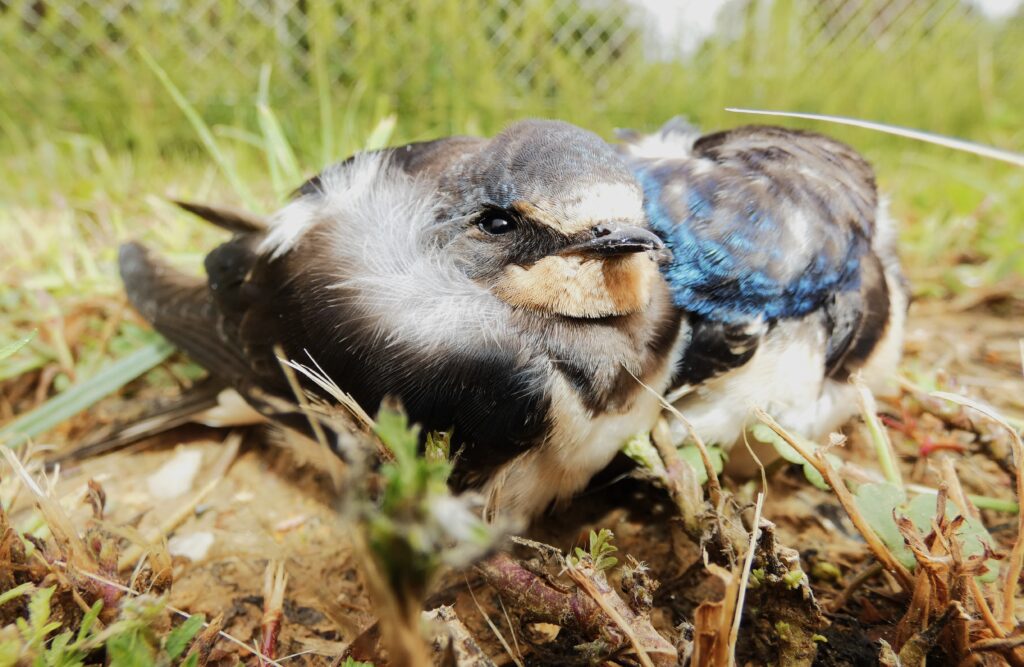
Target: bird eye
496	223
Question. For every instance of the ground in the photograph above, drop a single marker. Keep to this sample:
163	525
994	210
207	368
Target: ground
270	506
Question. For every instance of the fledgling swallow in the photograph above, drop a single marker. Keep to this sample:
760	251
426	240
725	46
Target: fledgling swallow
785	269
505	289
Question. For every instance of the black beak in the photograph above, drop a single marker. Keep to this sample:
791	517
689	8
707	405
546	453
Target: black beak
610	241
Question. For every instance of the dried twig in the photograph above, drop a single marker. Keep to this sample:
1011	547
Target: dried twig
854	584
821	464
274	582
748	562
1011	576
599	594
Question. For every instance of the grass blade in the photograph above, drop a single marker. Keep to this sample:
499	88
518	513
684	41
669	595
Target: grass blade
11	348
909	133
83	394
281	160
381	134
203	130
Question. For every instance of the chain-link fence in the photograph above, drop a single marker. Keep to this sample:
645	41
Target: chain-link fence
451	64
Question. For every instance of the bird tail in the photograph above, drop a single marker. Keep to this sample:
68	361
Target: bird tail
159	419
183	309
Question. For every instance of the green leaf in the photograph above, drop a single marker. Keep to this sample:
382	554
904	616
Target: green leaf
15	592
351	662
877	503
191	661
642	450
10	650
438	447
39	610
179	638
972	534
57	648
398	436
381	133
84	394
766	435
129	649
815	477
11	348
89	620
691	455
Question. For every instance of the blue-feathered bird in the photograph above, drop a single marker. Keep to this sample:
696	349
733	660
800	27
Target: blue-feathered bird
519	290
785	268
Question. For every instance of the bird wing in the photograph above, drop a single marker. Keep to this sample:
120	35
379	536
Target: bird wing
764	223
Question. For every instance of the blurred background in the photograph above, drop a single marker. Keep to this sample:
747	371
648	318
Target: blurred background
109	106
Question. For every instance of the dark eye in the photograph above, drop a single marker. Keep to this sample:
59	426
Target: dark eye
496	223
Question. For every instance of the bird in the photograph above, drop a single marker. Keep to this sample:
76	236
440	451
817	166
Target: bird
507	290
785	269
543	293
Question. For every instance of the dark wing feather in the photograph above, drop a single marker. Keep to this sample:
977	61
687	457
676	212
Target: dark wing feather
764	224
184	310
225	217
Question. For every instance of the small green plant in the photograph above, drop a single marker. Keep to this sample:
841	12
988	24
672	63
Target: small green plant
416	525
133	639
598	553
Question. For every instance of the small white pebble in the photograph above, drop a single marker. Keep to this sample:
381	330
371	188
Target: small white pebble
176	476
193	546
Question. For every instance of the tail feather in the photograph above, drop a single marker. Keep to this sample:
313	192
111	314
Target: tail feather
182	308
163	417
231	219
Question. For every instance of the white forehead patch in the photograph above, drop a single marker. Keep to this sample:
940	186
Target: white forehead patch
607	202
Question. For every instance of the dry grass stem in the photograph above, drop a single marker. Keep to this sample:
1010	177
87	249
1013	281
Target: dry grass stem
514	656
275	581
748	562
821	464
586	582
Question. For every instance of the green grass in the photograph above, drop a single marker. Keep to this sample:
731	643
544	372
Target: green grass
89	165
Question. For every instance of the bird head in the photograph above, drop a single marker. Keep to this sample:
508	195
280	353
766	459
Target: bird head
549	219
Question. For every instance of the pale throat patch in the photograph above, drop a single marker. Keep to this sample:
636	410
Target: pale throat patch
575	286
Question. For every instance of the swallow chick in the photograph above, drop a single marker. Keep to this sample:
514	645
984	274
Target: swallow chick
784	268
506	289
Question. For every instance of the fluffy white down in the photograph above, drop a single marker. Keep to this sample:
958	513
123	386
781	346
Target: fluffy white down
389	269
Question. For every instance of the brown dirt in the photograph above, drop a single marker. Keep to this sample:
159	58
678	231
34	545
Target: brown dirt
269	507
